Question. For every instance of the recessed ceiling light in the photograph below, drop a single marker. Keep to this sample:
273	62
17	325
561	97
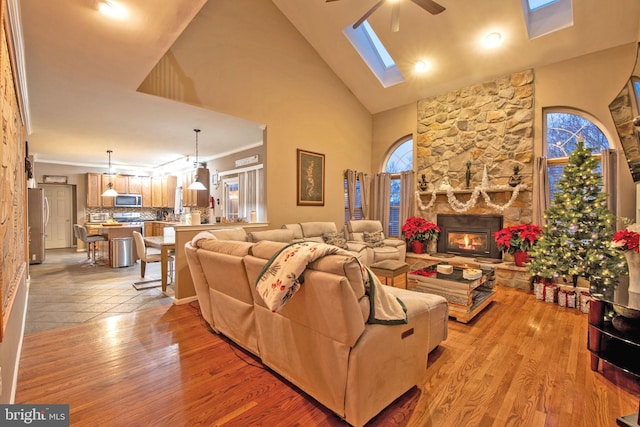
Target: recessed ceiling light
422	66
493	39
112	9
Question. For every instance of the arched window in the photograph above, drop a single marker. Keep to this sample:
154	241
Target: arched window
400	159
563	127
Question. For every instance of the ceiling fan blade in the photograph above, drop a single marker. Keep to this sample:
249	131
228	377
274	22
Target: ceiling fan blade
430	6
366	15
395	17
329	1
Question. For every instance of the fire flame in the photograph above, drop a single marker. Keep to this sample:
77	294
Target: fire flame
467	244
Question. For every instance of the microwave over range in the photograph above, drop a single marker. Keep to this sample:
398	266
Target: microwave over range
128	201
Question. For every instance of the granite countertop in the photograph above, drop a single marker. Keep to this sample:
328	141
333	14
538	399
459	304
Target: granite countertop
116	225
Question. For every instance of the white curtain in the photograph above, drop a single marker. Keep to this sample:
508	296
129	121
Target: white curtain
251	194
381	199
407	196
609	177
365	183
542	185
351	177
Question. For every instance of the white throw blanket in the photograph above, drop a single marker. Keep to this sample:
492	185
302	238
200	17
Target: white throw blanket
203	235
280	279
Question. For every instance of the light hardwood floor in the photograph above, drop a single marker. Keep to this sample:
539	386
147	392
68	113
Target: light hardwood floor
522	362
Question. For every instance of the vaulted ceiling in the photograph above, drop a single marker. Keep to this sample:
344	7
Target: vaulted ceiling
83	70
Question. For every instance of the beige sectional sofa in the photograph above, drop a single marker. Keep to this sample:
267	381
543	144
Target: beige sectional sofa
320	340
317	231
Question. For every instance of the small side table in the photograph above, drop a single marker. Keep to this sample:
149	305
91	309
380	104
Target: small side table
391	269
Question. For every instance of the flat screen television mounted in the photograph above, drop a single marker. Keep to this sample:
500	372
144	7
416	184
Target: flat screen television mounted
625	111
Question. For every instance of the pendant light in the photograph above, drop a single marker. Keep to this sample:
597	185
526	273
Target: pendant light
110	192
196	185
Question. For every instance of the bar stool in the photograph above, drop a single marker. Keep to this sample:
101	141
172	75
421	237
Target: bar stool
91	240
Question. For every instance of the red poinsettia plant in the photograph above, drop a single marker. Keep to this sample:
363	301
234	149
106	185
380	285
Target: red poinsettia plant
519	237
416	228
627	239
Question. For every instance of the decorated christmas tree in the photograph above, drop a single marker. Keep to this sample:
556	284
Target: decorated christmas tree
576	240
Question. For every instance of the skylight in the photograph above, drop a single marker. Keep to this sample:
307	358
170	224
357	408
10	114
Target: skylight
535	4
367	43
546	16
384	56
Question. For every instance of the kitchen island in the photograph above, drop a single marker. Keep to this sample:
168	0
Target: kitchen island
113	231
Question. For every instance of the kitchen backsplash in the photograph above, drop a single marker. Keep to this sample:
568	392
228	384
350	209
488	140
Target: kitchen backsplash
146	214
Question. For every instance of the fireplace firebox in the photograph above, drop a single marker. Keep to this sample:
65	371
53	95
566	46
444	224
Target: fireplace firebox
469	235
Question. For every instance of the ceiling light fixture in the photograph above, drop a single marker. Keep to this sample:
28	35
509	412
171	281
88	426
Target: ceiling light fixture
493	39
196	185
112	9
110	191
422	66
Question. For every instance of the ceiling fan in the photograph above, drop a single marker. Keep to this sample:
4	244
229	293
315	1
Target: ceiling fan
429	5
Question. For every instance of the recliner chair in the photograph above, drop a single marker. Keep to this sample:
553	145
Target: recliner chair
370	232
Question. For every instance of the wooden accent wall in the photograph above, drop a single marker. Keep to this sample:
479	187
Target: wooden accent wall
13	215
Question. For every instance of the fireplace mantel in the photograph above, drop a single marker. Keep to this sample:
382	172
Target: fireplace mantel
498	198
470	191
516	211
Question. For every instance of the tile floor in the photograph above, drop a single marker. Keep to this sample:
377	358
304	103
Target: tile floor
66	290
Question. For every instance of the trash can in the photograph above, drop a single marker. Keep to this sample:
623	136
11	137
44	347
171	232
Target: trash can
121	252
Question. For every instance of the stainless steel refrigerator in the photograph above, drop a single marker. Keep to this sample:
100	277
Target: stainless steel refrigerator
38	213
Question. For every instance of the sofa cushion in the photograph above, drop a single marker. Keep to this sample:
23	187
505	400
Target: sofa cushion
265	249
376	238
230	234
317	228
335	239
278	235
297	230
228	247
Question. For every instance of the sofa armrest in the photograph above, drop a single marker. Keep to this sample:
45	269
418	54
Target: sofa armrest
354	246
396	243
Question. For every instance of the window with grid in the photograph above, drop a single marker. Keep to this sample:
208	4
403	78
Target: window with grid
562	130
400	160
358	206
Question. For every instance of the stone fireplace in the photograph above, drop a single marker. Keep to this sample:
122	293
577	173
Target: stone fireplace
462	136
469	235
465	133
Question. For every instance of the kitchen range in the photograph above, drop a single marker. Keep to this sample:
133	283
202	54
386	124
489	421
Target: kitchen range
130	218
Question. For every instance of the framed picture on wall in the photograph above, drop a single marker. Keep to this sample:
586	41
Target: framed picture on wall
54	179
310	178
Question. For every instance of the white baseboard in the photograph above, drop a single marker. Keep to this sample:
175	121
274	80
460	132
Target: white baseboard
184	300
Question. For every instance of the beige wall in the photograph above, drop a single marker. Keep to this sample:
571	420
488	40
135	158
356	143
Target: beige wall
588	83
250	62
390	126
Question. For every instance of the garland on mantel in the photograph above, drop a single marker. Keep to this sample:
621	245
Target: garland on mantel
458	206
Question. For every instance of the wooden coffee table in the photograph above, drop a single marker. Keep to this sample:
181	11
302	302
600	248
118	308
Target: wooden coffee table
466	298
